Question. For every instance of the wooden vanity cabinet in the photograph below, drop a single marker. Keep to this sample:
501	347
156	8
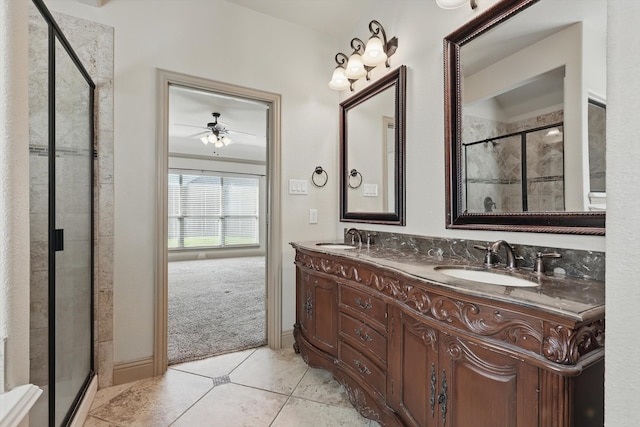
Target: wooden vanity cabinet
439	379
414	354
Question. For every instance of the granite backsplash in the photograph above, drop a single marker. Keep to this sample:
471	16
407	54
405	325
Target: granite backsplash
575	263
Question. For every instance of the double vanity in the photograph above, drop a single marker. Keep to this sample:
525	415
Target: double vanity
420	339
465	336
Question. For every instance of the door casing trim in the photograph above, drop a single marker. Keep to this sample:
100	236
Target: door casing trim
164	79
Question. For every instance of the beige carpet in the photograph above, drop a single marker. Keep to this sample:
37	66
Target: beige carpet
215	306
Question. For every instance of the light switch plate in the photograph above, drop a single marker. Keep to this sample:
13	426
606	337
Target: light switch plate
371	190
313	216
297	186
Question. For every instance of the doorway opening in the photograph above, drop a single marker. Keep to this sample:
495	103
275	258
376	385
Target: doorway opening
218	261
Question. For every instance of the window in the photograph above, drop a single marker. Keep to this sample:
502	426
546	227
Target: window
212	211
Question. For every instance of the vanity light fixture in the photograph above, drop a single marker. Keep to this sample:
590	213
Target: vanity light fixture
454	4
365	57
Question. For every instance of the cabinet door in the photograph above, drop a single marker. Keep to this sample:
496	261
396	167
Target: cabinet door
479	387
317	307
412	370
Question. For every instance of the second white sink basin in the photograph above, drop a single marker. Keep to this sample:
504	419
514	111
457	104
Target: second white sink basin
335	246
485	276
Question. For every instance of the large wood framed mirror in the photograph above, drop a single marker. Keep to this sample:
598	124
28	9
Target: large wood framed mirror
522	153
372	152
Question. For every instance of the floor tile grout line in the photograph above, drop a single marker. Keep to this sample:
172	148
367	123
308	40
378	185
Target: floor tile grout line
290	395
194	404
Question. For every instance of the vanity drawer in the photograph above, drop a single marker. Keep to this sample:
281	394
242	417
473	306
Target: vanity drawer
365	304
364	337
364	367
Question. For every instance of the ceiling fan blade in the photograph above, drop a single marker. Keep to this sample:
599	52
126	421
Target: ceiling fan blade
191	126
246	134
199	134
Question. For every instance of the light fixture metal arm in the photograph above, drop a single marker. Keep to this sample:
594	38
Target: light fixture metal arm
341	59
357	45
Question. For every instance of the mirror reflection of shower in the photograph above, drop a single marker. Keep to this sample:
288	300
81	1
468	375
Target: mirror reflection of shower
517	172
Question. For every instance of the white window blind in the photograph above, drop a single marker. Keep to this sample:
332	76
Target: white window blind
212	211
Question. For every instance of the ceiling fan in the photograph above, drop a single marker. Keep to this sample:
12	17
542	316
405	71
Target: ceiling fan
218	136
217	133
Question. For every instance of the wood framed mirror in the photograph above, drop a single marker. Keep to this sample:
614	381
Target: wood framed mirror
518	80
372	152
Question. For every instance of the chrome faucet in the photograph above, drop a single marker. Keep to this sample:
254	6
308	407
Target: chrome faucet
354	233
511	257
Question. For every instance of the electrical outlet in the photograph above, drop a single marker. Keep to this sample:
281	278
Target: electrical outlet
313	216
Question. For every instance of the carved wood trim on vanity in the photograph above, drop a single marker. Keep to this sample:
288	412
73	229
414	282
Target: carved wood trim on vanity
526	334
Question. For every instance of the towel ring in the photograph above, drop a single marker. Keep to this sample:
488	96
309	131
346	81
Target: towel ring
354	174
319	171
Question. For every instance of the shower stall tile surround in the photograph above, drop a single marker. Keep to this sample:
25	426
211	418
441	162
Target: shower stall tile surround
575	263
94	45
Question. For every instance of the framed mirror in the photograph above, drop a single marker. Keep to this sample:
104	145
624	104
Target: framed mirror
372	152
519	80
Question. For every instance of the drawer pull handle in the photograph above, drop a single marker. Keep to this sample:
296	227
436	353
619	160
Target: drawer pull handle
363	337
366	306
362	368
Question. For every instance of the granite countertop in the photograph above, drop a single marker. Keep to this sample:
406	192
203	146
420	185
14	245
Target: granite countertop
576	298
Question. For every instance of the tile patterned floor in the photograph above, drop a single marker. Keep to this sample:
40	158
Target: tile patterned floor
253	388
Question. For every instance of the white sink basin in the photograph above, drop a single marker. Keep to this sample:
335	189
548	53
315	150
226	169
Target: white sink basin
335	246
486	277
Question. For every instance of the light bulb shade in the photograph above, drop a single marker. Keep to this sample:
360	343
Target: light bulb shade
218	144
374	53
213	138
205	139
226	140
355	67
451	4
339	81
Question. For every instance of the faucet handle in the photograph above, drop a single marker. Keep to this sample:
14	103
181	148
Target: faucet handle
371	237
489	256
538	266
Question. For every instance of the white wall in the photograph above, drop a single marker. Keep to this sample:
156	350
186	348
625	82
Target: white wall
622	376
14	195
219	41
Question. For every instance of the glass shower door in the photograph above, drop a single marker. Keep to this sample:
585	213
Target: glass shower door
71	200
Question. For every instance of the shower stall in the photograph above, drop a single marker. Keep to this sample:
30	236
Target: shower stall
61	155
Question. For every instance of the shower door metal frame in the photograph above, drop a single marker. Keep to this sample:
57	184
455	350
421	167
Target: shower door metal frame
55	33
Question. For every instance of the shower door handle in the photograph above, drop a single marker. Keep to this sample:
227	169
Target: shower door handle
58	240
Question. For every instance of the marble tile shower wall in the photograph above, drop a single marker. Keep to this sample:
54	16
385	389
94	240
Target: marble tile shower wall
494	169
576	263
93	43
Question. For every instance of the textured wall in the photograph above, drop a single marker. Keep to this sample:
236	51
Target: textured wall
14	192
622	376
